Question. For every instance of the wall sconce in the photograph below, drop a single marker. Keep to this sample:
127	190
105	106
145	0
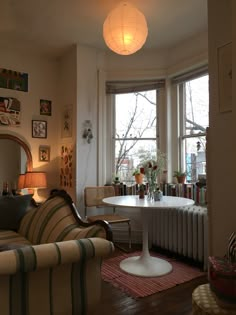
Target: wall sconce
87	133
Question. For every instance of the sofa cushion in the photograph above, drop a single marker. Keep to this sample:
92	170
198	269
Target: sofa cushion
10	238
12	209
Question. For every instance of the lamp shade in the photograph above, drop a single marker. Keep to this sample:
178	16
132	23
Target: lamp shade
35	180
21	181
125	29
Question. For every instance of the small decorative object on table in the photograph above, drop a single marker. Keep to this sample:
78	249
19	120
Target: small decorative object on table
158	195
141	191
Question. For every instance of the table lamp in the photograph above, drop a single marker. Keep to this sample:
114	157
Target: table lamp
35	180
21	182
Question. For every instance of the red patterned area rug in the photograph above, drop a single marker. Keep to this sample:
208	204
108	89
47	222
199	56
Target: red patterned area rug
138	287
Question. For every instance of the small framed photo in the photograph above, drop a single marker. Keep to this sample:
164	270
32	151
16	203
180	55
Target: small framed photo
67	121
45	107
39	129
44	153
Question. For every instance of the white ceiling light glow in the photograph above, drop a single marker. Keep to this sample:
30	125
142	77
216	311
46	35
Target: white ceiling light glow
125	29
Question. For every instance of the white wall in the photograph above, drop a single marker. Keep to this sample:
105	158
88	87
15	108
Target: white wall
43	78
88	62
67	93
159	63
221	151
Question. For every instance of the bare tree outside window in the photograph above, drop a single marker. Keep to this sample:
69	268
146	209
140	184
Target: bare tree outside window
135	131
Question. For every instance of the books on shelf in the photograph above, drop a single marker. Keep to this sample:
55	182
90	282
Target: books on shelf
188	190
123	189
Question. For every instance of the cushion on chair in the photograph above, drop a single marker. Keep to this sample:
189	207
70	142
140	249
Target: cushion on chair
12	209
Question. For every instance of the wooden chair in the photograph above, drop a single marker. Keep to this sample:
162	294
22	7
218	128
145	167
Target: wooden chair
93	197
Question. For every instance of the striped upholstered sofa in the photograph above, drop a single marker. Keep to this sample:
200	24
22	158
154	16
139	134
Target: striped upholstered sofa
52	264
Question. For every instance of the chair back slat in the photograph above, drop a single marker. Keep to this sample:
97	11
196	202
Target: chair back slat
94	195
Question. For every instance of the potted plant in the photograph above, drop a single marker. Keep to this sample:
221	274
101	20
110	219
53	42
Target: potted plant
180	176
138	176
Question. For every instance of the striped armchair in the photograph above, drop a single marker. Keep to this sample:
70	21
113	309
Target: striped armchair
52	264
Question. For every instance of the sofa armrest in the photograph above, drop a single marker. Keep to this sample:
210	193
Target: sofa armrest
32	258
55	220
104	224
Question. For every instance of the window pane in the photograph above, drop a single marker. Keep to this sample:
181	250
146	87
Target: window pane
135	131
197	106
129	154
136	115
195	158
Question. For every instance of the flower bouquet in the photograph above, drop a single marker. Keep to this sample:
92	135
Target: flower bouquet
152	169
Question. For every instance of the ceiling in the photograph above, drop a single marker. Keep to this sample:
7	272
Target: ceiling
52	26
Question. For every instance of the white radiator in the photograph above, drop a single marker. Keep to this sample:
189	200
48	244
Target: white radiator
181	230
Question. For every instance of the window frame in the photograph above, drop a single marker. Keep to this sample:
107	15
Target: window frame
114	139
182	109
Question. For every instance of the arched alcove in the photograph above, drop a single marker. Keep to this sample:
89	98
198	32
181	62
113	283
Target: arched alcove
29	165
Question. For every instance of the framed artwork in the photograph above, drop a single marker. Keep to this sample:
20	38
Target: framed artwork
39	129
45	107
10	110
66	174
225	77
67	122
44	153
14	80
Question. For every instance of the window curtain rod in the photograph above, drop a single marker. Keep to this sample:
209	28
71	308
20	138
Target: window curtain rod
190	75
121	87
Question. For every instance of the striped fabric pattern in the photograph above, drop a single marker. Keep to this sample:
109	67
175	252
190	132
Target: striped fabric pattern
11	237
53	221
51	279
58	272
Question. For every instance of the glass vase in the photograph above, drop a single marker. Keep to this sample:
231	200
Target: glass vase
151	191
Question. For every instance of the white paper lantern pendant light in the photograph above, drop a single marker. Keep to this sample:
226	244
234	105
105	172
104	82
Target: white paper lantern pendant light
125	29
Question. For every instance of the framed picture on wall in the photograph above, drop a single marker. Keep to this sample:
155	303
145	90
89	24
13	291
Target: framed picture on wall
44	153
66	175
10	109
45	107
14	80
66	122
39	129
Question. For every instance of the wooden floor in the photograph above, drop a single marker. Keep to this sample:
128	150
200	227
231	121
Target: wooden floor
175	301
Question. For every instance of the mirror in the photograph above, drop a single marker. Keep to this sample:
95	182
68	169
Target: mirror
15	158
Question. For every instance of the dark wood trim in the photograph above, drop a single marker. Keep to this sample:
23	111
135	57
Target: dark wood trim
23	145
81	222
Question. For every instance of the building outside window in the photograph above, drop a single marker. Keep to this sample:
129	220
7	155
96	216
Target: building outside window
194	118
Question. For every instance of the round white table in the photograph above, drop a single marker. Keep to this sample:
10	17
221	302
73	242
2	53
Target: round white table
145	265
